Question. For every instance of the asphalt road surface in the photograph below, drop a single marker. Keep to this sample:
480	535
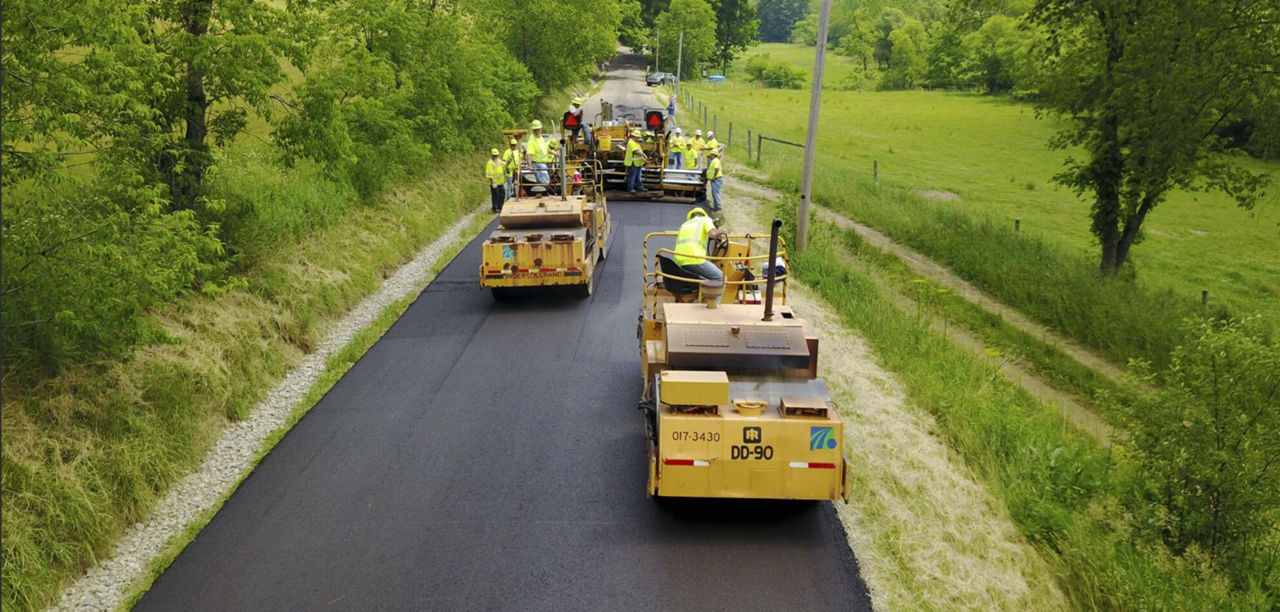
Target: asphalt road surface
487	455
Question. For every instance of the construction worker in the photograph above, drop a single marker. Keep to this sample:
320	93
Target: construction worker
634	160
671	109
715	178
713	144
694	151
574	122
496	171
539	154
512	157
675	148
691	246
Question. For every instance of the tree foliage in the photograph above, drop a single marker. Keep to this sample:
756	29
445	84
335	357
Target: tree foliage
778	17
697	20
553	39
1208	447
775	74
736	29
1144	86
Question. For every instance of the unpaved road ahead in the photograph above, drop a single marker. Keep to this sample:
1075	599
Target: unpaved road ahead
485	455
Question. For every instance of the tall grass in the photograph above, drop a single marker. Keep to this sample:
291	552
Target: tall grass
1066	495
90	451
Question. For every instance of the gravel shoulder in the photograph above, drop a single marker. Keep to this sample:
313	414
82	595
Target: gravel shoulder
927	534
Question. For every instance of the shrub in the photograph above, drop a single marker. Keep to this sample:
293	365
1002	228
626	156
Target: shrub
778	75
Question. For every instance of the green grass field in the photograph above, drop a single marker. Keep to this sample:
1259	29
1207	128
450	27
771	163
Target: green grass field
991	153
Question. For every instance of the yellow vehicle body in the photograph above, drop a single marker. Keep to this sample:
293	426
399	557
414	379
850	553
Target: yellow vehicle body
734	407
609	150
547	241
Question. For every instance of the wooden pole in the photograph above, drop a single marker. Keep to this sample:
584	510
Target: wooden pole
748	145
1017	225
875	171
811	134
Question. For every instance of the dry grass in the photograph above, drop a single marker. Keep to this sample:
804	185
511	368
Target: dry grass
927	534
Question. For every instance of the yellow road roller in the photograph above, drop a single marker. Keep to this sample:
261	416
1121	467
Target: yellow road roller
548	240
733	404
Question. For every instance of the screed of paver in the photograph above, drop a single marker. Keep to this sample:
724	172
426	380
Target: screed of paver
926	533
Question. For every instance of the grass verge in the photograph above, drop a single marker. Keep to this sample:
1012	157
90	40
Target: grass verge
91	451
1066	495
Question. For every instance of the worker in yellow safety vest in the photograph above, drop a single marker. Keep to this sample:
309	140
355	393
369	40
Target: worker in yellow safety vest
712	145
694	151
496	172
691	245
539	154
675	149
512	157
634	160
715	178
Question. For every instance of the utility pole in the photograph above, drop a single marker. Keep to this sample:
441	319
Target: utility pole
679	60
811	136
657	51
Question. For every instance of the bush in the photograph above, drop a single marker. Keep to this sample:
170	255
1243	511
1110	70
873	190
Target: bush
1207	445
778	75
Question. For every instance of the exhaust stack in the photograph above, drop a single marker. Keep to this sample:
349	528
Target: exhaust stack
564	180
772	270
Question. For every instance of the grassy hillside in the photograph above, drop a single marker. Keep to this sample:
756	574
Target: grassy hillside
950	159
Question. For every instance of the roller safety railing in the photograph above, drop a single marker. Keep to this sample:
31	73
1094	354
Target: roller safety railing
592	178
651	274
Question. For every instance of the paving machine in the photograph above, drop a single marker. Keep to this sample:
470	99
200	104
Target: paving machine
546	240
609	146
732	400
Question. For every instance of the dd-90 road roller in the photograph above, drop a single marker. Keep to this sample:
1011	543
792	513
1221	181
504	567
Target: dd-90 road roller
732	400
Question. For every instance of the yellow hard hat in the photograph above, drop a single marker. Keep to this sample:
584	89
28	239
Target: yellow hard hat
579	100
535	125
635	133
553	143
493	151
513	142
695	212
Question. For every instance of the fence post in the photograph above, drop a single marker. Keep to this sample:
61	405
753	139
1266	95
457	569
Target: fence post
1204	297
759	145
1017	225
715	123
875	171
729	141
748	145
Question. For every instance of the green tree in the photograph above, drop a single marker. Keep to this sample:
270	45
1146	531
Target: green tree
907	64
778	17
890	20
1143	86
632	31
997	53
736	29
697	20
1208	447
559	44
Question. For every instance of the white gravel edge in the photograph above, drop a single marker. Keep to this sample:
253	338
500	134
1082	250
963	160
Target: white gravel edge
105	586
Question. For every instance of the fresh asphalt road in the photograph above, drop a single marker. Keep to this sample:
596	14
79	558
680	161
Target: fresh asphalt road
487	455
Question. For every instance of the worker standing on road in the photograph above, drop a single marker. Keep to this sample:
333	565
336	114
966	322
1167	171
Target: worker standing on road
715	178
539	154
693	151
671	110
691	246
634	160
713	145
675	148
496	171
512	157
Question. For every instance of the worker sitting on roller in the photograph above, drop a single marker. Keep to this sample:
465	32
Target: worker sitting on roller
573	121
691	246
512	158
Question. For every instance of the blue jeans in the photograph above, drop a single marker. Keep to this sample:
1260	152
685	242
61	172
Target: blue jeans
540	174
633	178
677	161
704	270
716	184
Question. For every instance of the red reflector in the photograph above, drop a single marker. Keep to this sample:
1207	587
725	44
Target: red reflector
548	269
825	466
495	271
574	269
677	461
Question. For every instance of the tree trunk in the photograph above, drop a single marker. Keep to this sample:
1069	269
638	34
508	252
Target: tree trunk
1106	182
185	178
1133	227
